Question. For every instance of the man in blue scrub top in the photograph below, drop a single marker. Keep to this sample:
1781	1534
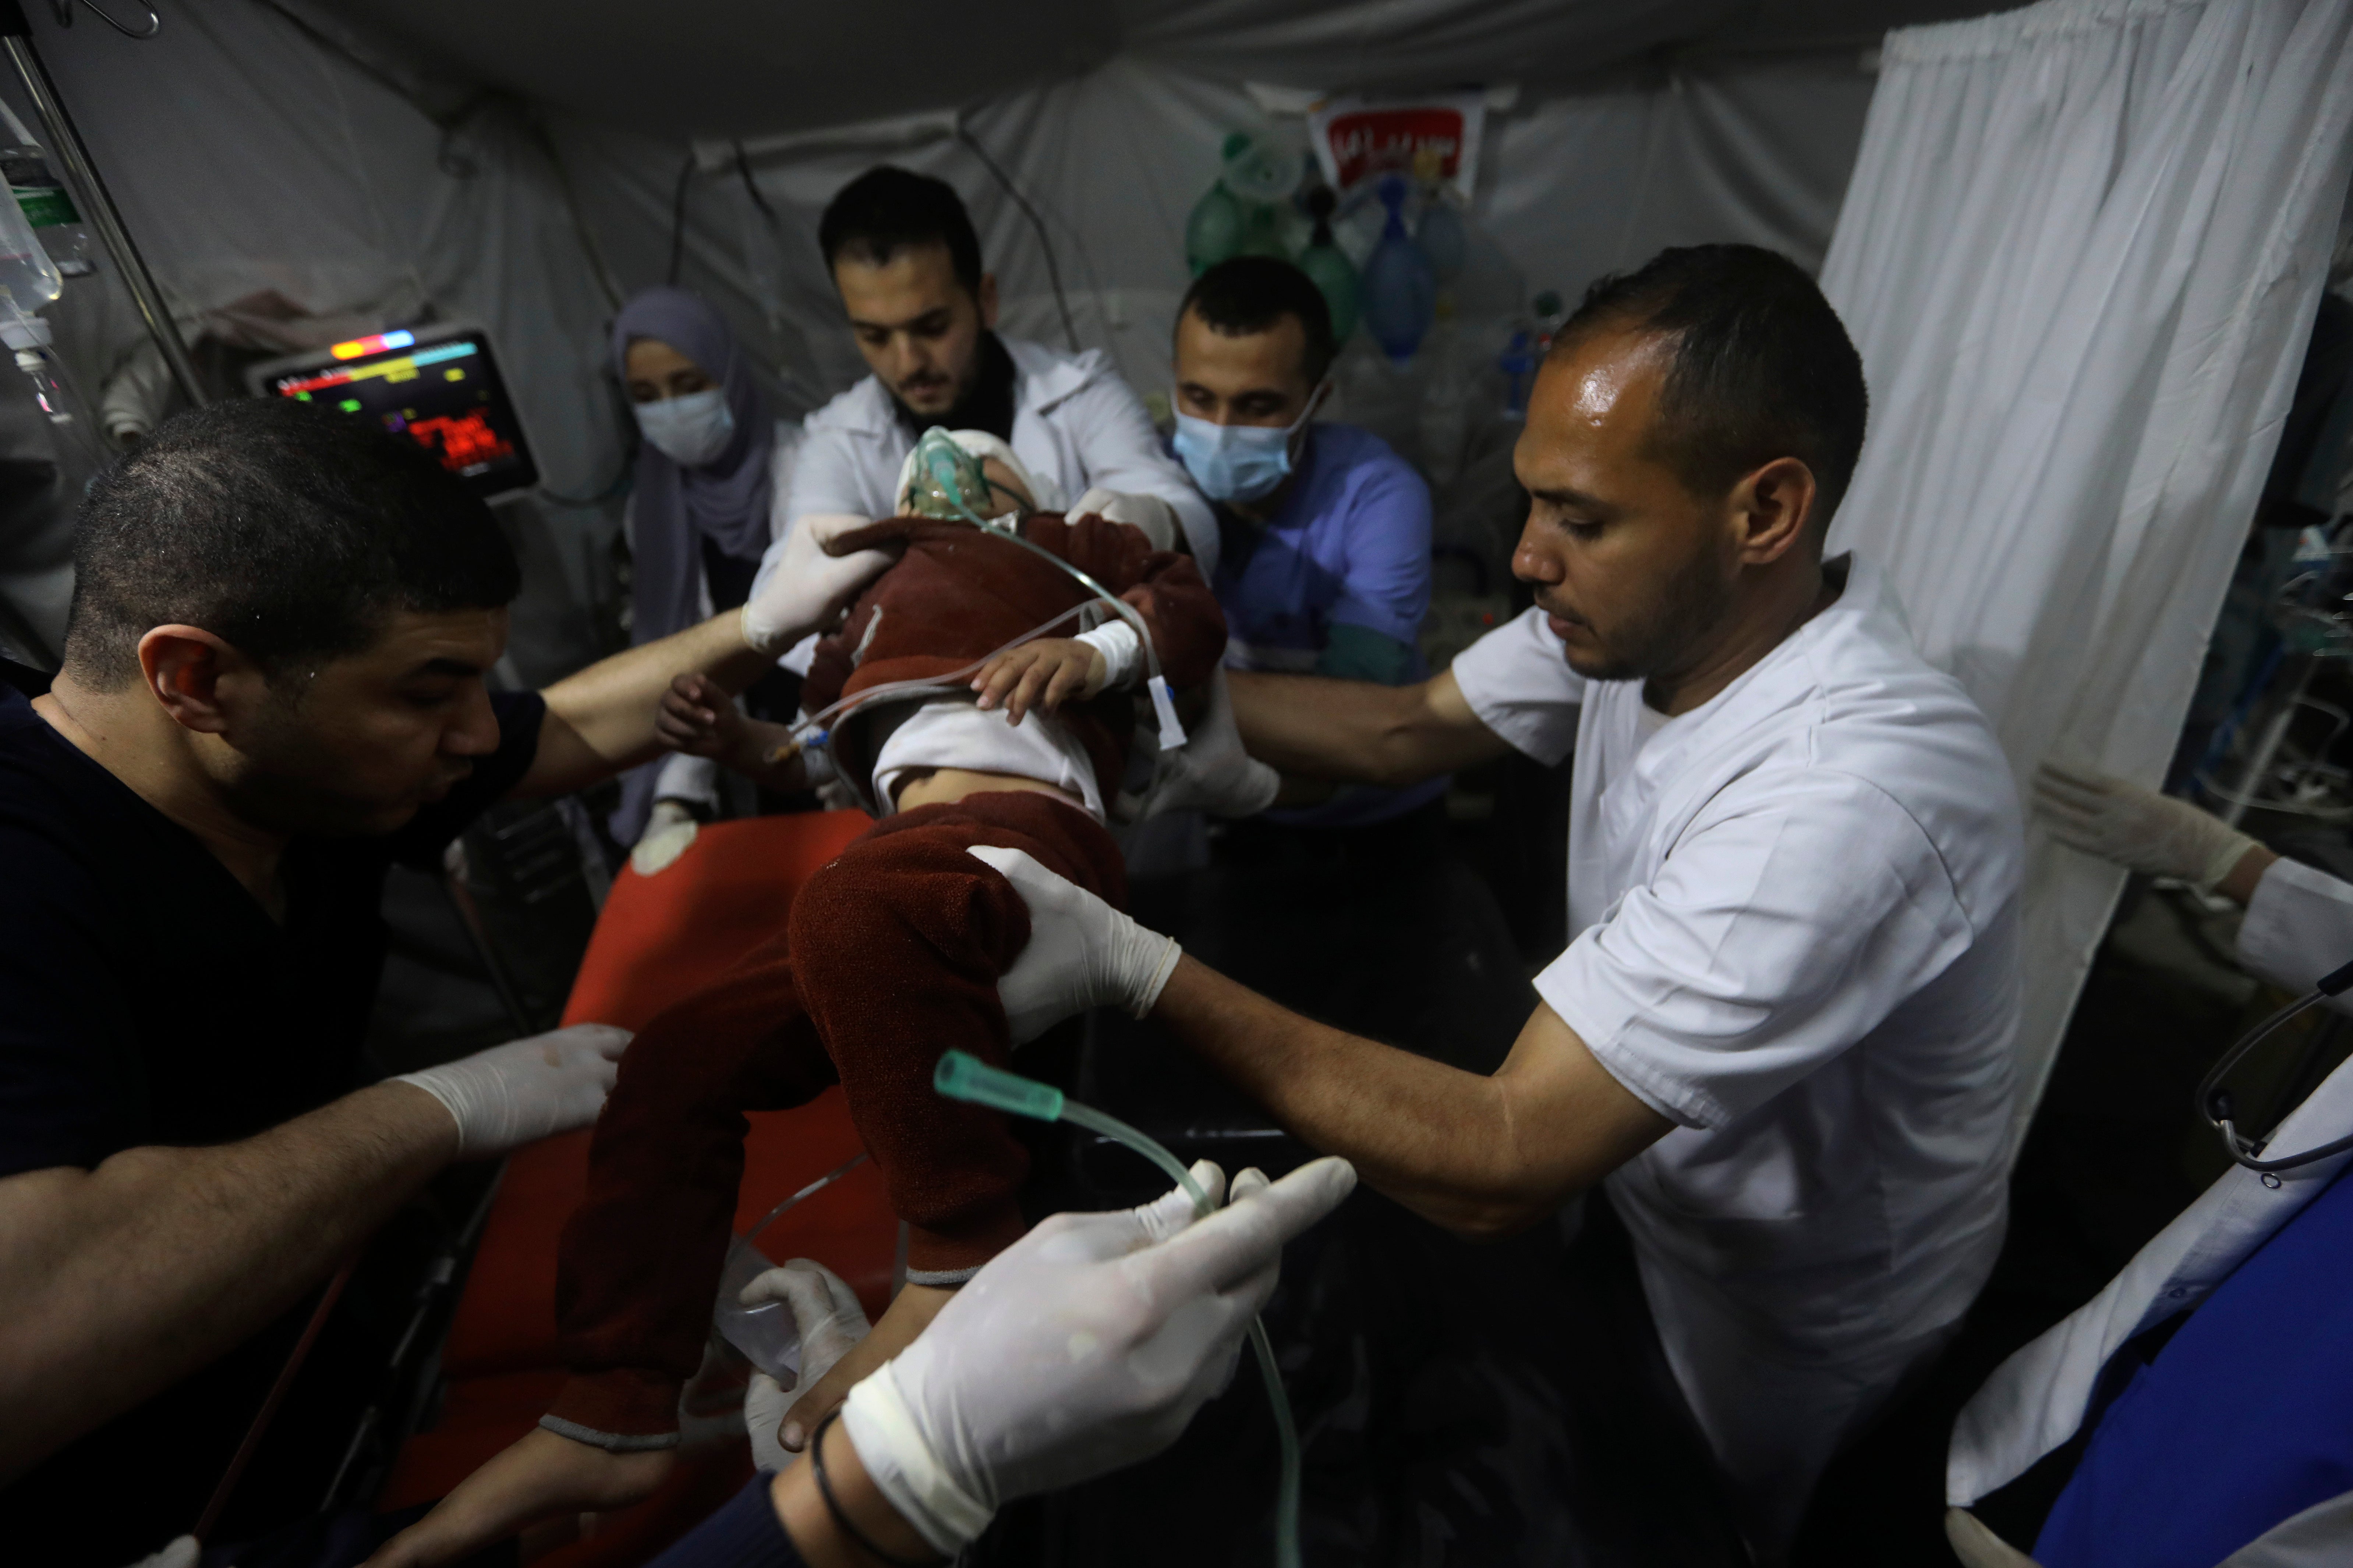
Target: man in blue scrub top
1324	565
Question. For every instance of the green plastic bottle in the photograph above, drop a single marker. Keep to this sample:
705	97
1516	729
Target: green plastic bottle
1238	216
1328	265
1214	232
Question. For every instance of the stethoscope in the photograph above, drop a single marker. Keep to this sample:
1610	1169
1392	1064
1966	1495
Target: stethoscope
2213	1106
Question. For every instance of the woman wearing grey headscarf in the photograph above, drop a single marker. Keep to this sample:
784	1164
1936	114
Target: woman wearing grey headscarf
709	472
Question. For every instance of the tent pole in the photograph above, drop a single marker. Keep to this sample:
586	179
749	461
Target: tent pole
96	202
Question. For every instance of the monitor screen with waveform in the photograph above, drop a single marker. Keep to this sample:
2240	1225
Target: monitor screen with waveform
440	387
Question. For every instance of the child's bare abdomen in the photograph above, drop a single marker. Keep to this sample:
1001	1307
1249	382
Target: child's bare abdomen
945	786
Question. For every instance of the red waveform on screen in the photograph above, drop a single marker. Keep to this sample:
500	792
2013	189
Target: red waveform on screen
463	441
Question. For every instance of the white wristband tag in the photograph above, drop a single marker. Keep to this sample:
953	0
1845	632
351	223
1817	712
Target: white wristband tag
1118	645
1163	706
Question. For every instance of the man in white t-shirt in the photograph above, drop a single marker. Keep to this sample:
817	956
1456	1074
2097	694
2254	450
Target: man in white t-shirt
902	253
1781	1031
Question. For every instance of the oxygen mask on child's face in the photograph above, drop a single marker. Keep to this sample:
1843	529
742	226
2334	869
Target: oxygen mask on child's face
967	475
974	477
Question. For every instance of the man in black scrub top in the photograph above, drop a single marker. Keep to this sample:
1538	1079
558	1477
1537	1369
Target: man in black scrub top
272	690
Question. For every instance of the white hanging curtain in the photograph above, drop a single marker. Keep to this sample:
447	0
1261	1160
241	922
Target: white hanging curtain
2080	253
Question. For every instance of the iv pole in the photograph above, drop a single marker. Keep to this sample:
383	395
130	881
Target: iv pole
92	195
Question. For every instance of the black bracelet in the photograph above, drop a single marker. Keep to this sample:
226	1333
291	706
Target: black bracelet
825	1491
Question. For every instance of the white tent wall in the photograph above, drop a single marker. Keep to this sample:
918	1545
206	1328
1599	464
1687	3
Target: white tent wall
1114	161
247	157
250	150
751	68
2081	257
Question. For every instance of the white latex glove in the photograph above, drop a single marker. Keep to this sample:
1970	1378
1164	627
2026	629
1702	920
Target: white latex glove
1084	1346
670	827
1082	953
526	1089
1155	516
830	1322
1211	771
809	589
2137	828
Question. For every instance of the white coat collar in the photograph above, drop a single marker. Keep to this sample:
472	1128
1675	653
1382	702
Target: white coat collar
1042	379
1784	675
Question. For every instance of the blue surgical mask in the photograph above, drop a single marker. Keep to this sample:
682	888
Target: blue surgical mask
690	431
1239	462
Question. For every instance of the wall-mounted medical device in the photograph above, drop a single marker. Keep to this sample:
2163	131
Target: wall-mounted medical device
439	386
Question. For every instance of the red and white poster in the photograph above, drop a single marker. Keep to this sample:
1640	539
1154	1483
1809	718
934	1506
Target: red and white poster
1357	138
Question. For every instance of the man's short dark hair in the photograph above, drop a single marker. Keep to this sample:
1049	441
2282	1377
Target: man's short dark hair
1763	367
887	210
289	532
1250	294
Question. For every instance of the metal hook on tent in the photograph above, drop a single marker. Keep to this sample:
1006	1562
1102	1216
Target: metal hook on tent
677	220
64	9
1045	243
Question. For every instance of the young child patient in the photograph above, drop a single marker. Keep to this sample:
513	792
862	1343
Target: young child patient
890	954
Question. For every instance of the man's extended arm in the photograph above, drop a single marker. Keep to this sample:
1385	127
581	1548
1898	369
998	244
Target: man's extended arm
1359	732
1481	1156
118	1281
601	720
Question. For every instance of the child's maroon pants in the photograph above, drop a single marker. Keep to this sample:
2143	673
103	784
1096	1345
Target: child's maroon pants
889	956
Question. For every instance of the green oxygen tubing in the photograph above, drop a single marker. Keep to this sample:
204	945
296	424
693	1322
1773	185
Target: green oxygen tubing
962	1076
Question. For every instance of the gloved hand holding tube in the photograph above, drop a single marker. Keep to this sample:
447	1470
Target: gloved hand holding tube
1086	1346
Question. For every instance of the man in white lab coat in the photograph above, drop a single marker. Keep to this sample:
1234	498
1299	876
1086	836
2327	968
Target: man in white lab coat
904	257
1780	1035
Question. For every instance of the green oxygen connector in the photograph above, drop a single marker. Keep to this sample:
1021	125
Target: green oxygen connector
962	1076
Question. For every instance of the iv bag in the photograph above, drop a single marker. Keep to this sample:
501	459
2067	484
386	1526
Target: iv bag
1400	293
1238	216
1328	266
28	276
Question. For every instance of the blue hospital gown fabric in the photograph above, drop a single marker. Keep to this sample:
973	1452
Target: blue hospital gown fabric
2243	1419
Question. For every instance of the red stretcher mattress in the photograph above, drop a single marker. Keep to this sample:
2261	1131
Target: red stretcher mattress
658	939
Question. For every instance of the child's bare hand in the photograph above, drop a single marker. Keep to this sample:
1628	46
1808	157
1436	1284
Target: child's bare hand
699	719
1040	675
